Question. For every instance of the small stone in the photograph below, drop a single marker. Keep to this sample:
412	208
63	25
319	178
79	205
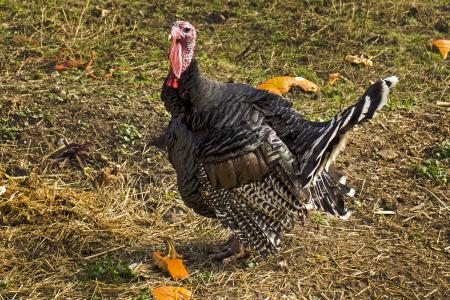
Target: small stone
2	190
60	142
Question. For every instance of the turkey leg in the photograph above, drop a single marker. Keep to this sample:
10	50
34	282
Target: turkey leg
233	250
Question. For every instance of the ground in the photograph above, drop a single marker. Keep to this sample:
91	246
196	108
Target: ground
73	221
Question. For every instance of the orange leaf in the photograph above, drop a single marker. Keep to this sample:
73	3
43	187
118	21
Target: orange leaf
280	85
443	47
359	60
171	293
65	62
332	78
172	262
60	67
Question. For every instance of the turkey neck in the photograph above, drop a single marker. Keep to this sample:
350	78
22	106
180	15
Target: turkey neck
194	93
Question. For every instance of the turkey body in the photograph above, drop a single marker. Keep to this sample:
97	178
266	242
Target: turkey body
243	156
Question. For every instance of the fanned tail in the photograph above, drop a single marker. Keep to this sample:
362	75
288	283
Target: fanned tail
328	139
374	99
329	192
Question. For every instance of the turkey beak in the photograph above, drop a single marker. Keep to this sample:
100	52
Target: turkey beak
170	36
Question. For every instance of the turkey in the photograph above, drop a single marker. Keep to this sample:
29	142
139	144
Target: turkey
246	158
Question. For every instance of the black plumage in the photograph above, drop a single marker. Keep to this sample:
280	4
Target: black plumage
244	156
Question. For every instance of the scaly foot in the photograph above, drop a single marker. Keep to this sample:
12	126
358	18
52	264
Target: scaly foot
233	250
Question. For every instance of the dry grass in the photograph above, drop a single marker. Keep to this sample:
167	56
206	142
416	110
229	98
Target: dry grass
60	228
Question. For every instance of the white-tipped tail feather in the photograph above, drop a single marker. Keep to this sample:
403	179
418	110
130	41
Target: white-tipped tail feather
327	191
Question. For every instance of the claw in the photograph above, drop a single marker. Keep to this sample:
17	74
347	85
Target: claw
233	251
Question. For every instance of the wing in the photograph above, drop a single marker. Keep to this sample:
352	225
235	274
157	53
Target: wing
180	148
317	144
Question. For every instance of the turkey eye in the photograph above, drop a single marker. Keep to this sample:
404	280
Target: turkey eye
186	30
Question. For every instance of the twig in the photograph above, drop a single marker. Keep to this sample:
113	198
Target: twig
431	293
442	103
54	152
87	67
320	30
104	252
16	177
336	263
384	212
243	53
435	197
80	21
362	291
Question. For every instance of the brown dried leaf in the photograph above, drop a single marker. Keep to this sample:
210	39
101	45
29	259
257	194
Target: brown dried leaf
171	293
63	61
332	78
359	60
172	262
280	85
443	46
105	175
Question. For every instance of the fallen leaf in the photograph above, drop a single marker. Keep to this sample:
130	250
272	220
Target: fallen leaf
443	46
105	175
359	60
63	61
332	78
172	262
60	67
280	85
171	293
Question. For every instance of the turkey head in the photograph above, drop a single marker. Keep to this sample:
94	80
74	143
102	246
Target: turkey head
181	51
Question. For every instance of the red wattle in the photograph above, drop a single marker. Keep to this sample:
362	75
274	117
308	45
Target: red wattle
175	57
172	81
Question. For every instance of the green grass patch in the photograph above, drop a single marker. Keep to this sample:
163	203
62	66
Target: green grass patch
35	113
433	170
2	284
442	151
415	237
108	269
129	134
308	74
144	294
402	104
323	220
204	277
7	132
